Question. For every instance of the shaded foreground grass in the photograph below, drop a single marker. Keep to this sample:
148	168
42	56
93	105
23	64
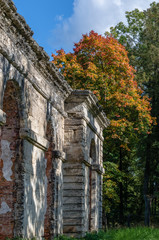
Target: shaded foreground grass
140	233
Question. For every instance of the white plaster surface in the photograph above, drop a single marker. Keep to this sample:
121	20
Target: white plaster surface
6	157
4	208
35	191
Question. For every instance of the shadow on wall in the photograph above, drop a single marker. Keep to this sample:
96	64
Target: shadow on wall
37	183
23	182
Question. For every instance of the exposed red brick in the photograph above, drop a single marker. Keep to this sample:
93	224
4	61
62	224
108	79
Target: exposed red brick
9	132
48	223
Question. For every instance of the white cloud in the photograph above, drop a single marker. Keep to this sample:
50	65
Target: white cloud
59	17
97	15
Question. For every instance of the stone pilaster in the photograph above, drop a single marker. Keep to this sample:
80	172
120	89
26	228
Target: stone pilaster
83	169
74	196
58	161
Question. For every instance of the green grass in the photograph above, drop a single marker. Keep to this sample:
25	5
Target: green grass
133	234
139	233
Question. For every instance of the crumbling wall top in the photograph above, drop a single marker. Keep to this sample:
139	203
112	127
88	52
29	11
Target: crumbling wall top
91	101
17	25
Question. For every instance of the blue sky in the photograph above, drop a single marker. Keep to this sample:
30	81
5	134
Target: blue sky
60	23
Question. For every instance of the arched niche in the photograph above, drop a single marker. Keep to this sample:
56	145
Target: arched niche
10	159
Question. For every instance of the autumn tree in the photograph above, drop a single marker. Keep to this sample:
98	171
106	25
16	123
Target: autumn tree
101	64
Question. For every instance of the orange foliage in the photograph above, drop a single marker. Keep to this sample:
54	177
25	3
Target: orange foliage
101	64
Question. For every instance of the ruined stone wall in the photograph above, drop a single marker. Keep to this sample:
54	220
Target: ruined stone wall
83	168
28	174
50	179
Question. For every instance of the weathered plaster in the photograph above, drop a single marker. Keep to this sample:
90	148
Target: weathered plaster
6	157
2	117
4	208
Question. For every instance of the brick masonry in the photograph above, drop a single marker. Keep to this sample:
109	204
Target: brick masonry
9	158
49	221
50	142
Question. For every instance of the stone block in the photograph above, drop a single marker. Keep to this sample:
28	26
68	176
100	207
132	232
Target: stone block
73	186
73	221
73	193
73	214
34	138
70	200
74	207
73	179
73	229
73	171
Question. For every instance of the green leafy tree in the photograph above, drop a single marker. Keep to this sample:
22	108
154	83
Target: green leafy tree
141	38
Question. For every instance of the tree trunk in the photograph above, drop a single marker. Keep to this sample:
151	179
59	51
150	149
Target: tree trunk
147	210
121	210
146	182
